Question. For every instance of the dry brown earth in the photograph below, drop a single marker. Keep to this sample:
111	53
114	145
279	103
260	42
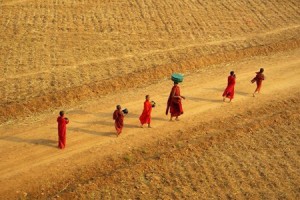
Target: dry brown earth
56	53
85	56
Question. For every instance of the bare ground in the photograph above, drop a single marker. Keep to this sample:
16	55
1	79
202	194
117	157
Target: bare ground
56	54
87	56
243	149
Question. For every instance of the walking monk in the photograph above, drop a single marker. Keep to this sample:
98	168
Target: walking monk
62	129
258	79
118	116
229	91
145	117
174	102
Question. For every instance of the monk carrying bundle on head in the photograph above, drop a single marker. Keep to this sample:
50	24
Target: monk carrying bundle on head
174	101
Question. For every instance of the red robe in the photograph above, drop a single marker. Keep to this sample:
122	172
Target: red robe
258	79
145	117
119	118
62	130
229	91
174	103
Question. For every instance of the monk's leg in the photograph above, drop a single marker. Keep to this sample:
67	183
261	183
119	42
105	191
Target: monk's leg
254	92
258	88
61	142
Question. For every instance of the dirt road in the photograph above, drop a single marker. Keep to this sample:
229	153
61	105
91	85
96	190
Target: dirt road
33	163
86	56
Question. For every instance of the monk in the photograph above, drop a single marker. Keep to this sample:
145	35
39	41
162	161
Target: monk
258	79
145	117
62	129
118	116
229	91
174	102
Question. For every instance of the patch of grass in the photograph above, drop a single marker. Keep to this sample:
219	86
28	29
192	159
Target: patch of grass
128	158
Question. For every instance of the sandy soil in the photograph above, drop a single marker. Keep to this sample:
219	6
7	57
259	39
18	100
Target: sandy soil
87	56
226	131
58	53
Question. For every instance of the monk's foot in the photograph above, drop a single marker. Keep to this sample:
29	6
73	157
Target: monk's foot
177	119
253	95
149	126
141	126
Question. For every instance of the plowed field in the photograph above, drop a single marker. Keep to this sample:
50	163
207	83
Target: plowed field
86	56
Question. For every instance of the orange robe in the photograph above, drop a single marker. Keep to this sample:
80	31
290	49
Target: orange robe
174	104
119	118
258	79
229	91
145	117
62	131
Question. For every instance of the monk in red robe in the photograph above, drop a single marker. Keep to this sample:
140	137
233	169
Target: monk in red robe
62	129
118	116
229	91
145	117
258	79
174	102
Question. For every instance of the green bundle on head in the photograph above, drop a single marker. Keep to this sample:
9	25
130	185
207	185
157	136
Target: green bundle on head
177	78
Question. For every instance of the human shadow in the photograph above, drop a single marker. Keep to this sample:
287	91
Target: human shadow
104	123
103	114
81	130
203	99
40	141
132	115
158	119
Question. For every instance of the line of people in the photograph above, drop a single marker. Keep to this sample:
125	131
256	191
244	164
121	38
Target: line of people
174	106
229	90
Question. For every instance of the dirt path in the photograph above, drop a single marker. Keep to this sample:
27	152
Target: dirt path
29	148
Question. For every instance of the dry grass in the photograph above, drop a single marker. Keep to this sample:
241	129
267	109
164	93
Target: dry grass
58	53
235	158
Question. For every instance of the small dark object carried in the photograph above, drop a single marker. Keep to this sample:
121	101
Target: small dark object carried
125	111
66	118
153	104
